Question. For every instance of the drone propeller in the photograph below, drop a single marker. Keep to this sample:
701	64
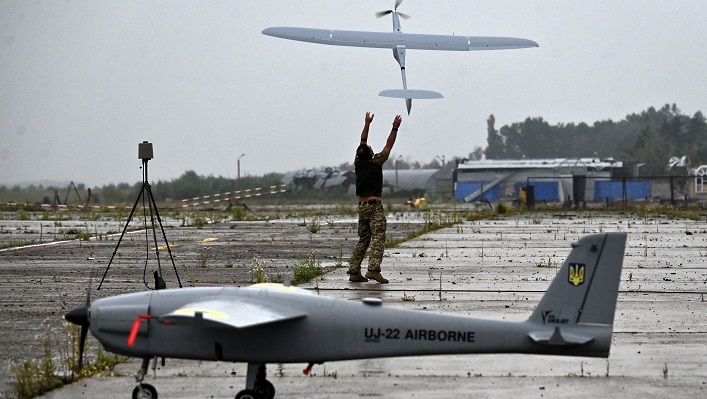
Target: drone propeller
81	317
395	10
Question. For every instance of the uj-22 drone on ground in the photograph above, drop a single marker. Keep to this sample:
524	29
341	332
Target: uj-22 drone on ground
270	323
399	42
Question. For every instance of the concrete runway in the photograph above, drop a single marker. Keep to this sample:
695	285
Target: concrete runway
497	269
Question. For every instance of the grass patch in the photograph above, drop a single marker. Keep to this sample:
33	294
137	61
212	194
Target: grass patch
391	242
202	257
56	369
238	213
307	269
17	244
314	226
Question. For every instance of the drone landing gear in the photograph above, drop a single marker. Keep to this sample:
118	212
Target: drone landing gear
256	386
144	391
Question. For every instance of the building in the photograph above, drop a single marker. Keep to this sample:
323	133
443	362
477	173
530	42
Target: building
553	180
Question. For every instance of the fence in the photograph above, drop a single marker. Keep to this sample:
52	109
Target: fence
235	195
585	189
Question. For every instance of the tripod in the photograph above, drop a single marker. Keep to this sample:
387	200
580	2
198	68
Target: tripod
146	195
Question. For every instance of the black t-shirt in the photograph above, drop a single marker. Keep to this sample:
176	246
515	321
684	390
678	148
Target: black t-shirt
369	175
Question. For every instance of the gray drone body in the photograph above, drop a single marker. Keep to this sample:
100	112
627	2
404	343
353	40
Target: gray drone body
272	323
399	42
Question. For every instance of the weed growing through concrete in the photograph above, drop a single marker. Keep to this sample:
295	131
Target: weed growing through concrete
238	213
440	286
314	226
430	226
199	222
203	257
549	263
408	298
257	272
307	269
340	259
35	377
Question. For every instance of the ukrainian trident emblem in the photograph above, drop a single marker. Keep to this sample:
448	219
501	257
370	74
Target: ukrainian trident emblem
576	274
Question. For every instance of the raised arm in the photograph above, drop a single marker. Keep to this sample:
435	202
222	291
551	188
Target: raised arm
364	133
393	134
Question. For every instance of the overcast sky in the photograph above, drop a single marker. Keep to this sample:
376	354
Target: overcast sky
83	82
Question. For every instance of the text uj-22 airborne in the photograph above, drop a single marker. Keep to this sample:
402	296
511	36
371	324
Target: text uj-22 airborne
373	334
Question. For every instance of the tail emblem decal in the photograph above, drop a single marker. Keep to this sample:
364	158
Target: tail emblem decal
576	274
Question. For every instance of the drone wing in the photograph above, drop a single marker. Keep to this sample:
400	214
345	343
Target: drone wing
391	40
232	312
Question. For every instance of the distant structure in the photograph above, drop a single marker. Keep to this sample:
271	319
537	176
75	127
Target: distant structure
426	182
699	188
552	180
320	180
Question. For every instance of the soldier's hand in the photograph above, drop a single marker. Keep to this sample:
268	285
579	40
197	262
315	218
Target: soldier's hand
397	121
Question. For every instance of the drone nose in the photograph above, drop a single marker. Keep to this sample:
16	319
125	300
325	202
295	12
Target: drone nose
78	316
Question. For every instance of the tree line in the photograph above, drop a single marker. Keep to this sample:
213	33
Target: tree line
651	137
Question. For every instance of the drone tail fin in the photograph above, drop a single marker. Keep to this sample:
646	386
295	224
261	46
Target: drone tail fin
586	287
578	308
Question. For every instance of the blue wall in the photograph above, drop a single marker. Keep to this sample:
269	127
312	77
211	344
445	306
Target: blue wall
544	190
635	190
547	190
466	188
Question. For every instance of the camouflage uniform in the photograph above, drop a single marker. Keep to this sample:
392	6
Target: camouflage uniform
371	230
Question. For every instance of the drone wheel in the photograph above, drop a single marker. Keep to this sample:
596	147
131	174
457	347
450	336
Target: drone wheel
265	390
246	394
145	391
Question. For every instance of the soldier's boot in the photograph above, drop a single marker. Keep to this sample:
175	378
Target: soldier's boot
376	276
357	278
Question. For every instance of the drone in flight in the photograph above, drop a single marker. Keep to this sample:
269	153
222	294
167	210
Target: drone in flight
274	323
399	42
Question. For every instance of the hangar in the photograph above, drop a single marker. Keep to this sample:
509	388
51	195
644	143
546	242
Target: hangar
553	180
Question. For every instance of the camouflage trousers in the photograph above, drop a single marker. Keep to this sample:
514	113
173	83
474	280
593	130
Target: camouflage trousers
371	231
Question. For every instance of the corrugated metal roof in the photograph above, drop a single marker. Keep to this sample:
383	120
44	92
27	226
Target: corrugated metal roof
594	163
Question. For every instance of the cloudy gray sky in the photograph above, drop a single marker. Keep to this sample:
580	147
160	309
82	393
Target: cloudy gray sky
83	82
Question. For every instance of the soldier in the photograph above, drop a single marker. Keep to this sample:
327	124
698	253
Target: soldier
371	216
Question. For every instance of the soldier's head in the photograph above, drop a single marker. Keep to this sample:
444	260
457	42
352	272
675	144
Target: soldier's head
364	152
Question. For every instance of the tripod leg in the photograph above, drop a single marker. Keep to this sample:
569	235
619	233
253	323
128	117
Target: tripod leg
145	184
151	204
122	234
164	235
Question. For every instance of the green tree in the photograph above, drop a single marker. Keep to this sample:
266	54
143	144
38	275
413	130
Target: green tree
496	147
